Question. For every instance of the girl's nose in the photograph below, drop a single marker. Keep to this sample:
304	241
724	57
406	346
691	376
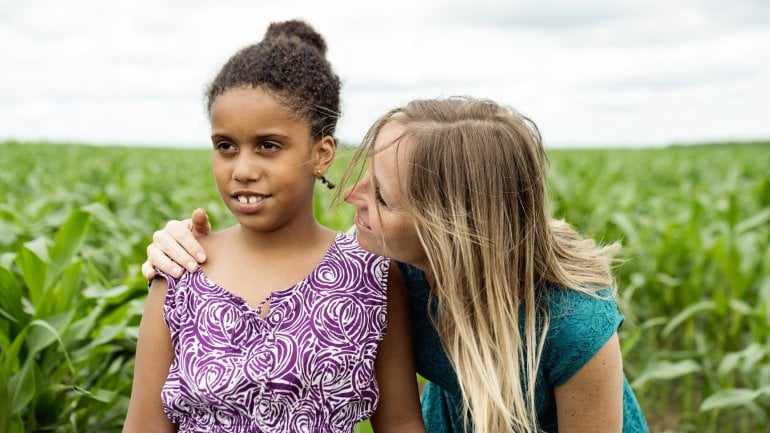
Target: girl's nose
246	169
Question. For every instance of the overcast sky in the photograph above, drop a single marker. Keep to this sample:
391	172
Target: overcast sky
589	72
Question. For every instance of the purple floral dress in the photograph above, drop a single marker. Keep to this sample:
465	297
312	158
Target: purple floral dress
308	366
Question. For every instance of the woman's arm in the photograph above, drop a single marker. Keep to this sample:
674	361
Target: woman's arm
592	399
175	246
399	406
154	355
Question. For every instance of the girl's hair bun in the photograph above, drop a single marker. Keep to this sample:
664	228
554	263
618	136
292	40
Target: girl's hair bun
297	29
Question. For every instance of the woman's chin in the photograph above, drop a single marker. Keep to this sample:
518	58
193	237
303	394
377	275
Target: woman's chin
367	244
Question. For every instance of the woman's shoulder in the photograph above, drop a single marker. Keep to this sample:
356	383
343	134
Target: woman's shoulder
568	304
576	314
580	323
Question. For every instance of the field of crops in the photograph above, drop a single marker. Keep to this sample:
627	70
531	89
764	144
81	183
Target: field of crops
695	285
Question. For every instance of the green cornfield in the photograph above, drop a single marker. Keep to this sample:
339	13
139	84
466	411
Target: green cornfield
694	281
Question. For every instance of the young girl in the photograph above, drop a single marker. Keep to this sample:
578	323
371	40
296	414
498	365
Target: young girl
513	317
284	328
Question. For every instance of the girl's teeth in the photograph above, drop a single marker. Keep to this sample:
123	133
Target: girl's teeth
248	199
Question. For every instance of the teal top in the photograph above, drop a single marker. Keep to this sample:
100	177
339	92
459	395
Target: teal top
580	325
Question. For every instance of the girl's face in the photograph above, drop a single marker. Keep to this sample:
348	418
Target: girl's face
383	224
264	162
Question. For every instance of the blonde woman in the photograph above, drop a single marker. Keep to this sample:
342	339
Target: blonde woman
513	318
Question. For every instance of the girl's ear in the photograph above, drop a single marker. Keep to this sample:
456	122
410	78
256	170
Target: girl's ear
323	154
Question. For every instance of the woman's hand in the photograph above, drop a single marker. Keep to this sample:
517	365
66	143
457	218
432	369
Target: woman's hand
175	246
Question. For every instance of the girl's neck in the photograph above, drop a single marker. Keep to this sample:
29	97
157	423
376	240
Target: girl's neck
284	238
252	264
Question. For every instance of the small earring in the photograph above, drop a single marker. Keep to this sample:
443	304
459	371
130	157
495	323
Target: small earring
324	180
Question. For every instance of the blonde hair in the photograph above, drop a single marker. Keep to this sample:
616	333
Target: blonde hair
475	188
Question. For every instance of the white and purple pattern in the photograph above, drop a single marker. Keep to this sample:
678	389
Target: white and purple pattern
308	366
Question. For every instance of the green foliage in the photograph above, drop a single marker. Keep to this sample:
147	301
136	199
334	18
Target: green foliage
54	373
695	285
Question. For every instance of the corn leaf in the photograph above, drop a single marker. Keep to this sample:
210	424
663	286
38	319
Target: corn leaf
69	238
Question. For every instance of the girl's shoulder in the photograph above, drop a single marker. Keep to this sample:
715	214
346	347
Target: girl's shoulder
347	259
347	243
216	239
345	249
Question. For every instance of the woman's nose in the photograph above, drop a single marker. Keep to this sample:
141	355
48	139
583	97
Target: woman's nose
353	195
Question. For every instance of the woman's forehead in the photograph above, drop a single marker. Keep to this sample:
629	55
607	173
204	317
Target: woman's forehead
392	140
388	135
389	155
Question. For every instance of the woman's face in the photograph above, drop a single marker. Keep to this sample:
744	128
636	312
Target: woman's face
383	224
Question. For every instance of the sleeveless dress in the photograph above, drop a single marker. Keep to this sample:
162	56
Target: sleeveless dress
580	325
308	366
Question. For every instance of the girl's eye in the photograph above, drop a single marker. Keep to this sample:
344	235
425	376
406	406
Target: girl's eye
268	145
379	198
225	146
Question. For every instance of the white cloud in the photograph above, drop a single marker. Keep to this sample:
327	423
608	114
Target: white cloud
594	72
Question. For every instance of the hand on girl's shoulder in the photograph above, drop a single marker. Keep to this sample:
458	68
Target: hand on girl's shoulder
211	243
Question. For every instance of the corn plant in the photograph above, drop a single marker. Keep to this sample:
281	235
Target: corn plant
694	286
